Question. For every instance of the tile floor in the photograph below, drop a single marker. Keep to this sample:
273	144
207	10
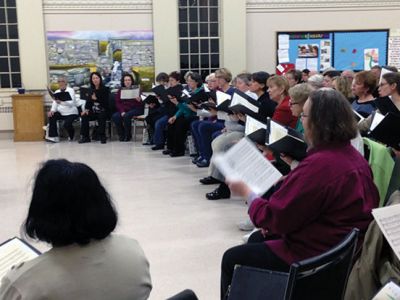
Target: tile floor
159	200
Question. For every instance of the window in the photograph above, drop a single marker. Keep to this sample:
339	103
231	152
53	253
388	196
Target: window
10	72
199	36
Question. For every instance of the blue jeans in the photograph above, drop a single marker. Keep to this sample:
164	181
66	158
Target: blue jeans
207	132
124	123
159	131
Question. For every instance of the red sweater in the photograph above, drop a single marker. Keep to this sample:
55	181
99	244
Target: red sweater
329	193
283	114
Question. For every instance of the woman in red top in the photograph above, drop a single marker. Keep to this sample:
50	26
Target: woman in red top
126	110
278	89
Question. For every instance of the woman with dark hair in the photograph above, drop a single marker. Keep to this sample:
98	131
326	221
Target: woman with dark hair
179	123
126	109
71	210
258	85
329	193
96	108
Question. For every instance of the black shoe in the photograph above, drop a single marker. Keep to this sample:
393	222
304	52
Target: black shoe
121	138
84	140
176	154
166	152
103	140
128	139
209	180
157	147
219	193
196	159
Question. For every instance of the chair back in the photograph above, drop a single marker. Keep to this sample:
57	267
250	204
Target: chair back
324	276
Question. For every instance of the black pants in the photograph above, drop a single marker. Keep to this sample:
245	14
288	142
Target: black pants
150	123
176	134
101	119
254	254
67	124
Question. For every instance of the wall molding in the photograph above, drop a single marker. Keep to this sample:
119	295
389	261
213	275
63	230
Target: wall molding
299	5
94	6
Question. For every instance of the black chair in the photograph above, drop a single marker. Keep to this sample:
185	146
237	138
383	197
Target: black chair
321	277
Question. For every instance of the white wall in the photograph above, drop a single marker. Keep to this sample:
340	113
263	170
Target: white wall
262	27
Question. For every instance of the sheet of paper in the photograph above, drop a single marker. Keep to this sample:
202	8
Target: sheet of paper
13	253
283	56
390	291
301	63
237	99
280	68
130	93
283	41
312	64
222	97
253	125
376	120
388	220
244	162
277	132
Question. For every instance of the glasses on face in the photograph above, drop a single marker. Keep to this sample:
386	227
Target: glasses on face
303	115
291	103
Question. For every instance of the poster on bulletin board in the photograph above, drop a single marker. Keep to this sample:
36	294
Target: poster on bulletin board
306	50
342	50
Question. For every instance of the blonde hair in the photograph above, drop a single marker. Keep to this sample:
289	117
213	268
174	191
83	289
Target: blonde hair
224	73
279	81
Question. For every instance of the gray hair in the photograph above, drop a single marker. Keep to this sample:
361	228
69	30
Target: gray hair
300	92
316	82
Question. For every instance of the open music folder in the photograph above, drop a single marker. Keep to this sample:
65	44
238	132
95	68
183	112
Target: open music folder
13	252
244	162
385	129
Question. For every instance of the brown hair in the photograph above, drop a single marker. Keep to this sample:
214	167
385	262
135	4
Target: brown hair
368	79
224	73
331	118
392	78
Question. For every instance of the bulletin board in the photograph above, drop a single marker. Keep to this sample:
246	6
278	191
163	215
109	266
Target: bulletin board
318	51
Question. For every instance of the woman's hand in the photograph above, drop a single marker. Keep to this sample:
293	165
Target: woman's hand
85	112
286	158
172	120
94	98
50	114
239	188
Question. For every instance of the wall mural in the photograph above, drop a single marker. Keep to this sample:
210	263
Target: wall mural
76	54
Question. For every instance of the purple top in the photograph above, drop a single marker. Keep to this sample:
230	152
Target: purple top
319	203
126	104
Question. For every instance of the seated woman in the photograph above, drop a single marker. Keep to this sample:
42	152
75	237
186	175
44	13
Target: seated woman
258	86
96	108
71	210
343	85
363	86
179	124
126	109
329	193
278	88
62	110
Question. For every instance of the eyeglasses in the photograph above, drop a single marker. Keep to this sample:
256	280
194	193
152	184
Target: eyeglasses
303	115
291	103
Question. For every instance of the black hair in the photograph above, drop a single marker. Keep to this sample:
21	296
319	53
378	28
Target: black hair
331	73
126	75
162	77
196	77
306	71
261	77
176	75
392	78
91	80
69	205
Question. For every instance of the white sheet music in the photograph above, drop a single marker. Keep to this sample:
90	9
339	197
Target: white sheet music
222	97
388	220
253	125
277	132
130	93
13	253
389	292
376	120
237	99
244	162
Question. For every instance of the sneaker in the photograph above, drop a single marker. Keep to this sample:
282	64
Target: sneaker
204	163
245	238
246	225
54	139
197	159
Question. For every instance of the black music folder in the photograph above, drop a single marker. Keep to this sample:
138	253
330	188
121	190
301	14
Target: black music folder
385	129
61	96
244	104
286	140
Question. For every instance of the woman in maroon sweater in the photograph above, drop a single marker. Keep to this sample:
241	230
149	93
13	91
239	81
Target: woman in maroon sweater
319	202
126	110
278	89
